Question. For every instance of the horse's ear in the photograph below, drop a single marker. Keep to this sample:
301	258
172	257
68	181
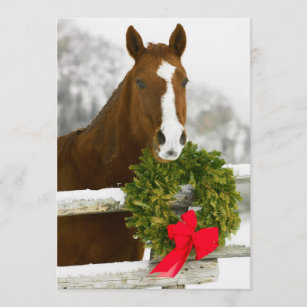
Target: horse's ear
178	40
134	43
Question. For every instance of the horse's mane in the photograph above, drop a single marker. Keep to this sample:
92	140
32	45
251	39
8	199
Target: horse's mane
66	141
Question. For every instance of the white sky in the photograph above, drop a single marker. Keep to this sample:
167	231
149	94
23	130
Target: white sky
217	53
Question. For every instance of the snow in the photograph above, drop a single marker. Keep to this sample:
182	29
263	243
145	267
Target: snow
243	234
147	253
101	268
240	170
70	196
234	273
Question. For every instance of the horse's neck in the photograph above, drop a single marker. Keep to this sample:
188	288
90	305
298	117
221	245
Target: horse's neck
111	128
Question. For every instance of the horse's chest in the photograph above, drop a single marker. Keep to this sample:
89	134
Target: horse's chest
118	171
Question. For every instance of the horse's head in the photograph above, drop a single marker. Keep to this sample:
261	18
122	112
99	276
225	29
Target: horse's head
158	98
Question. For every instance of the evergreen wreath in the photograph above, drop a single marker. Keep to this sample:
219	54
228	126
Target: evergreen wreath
155	185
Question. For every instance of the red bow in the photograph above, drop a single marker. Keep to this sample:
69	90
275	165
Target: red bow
204	241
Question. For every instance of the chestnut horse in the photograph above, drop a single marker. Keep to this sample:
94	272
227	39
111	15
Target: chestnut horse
148	109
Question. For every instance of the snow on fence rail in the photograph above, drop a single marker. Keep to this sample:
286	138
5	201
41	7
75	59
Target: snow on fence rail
136	274
131	275
113	199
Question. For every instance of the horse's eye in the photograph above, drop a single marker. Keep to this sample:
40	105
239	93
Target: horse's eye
140	84
184	82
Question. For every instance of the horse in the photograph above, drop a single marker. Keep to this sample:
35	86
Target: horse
147	110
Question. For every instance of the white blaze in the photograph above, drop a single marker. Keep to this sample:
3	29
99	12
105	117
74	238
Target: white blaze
171	127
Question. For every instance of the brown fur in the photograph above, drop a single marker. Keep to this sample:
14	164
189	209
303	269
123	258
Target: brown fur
99	156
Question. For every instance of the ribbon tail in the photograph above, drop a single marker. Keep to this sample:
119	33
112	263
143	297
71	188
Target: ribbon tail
171	264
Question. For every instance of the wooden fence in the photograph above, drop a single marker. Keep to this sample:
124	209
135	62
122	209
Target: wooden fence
136	274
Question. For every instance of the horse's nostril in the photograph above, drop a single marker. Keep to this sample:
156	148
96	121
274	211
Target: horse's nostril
161	137
171	153
183	138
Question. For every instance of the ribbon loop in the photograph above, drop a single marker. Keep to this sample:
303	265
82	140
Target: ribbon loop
204	241
190	219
